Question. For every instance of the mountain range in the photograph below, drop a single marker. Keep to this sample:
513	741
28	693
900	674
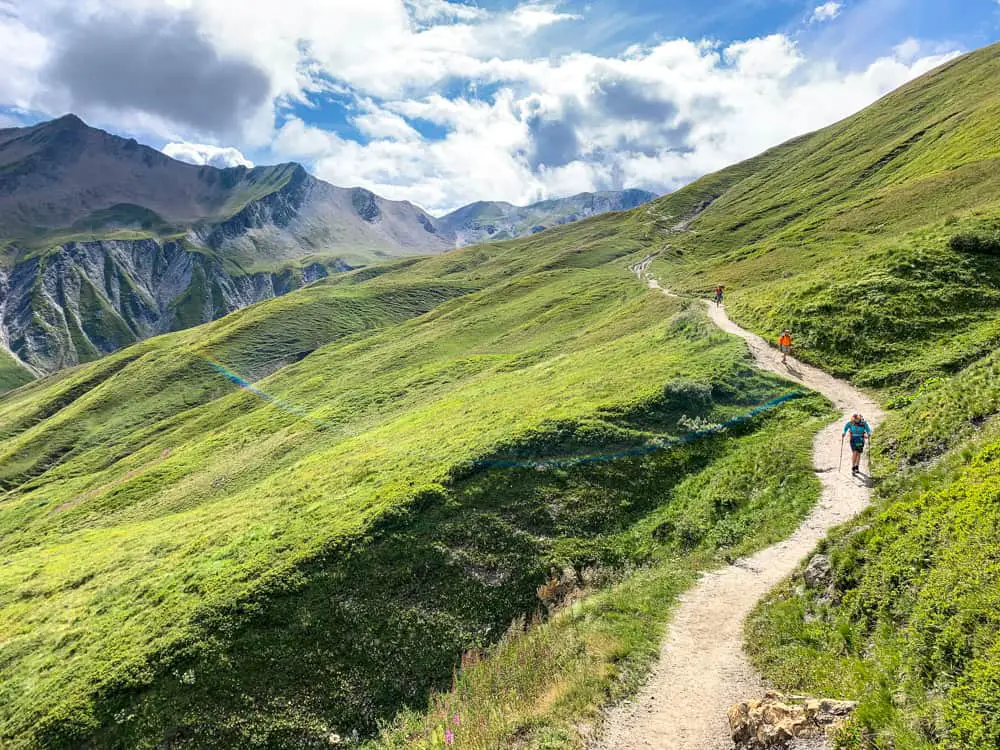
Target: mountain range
487	221
104	241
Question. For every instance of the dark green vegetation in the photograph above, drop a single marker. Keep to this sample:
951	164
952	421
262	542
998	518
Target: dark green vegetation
911	622
543	688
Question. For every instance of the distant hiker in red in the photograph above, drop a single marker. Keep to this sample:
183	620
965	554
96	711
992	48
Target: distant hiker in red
718	295
785	345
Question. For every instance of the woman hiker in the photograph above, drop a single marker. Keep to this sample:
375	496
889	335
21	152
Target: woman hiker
718	295
860	432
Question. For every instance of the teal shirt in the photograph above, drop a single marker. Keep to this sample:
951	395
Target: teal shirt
858	431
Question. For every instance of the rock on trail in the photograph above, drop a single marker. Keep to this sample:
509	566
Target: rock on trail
702	670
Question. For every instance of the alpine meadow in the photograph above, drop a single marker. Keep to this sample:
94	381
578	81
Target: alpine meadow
455	499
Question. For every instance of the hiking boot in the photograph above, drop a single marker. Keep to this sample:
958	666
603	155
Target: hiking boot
855	469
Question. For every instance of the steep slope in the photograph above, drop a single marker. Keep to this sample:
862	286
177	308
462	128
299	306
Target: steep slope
12	372
845	234
104	242
193	563
877	241
89	299
65	180
493	221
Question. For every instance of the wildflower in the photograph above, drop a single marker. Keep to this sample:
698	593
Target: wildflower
449	737
456	720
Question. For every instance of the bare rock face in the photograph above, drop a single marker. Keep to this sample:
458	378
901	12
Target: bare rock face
779	722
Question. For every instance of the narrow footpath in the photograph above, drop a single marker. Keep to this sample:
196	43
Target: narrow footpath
702	669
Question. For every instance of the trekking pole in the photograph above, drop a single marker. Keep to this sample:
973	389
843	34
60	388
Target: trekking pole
840	467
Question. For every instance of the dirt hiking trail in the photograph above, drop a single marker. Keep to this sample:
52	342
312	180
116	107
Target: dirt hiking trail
702	669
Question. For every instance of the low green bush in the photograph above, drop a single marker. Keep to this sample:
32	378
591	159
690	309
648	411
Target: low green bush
979	244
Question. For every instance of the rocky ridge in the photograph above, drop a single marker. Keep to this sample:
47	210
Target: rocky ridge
88	299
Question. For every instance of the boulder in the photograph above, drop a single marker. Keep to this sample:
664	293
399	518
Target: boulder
778	721
818	572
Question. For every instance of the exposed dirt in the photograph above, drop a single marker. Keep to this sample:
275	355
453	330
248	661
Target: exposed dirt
702	669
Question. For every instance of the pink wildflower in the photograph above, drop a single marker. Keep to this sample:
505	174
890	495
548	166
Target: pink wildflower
456	720
449	737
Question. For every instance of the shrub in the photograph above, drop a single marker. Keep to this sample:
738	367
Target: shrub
979	244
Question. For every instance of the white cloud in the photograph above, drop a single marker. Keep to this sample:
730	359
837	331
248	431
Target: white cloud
25	51
426	11
213	156
826	12
512	121
909	49
657	118
380	124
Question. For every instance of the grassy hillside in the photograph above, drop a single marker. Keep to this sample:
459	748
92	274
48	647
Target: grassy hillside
845	235
910	623
877	241
184	558
544	687
12	374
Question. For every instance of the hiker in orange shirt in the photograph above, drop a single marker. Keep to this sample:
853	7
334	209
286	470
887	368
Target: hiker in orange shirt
785	345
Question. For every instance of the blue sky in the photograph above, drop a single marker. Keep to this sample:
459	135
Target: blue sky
444	102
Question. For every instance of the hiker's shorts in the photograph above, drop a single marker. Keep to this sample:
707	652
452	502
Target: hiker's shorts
785	349
858	446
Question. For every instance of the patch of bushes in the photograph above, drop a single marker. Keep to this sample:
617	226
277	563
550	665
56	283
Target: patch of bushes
978	244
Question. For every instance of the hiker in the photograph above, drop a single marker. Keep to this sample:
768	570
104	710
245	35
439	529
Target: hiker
785	345
860	431
718	295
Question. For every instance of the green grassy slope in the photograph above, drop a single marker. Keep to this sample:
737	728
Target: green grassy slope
843	235
877	241
910	624
173	544
545	687
12	374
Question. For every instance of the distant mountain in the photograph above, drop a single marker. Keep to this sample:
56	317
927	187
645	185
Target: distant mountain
491	221
63	179
104	241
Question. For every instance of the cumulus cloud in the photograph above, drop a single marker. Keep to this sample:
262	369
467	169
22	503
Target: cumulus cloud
826	12
656	118
25	51
509	120
201	154
161	65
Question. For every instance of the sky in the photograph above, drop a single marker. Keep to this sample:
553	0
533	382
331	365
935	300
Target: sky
445	102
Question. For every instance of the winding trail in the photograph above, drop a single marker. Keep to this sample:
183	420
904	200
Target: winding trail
702	669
